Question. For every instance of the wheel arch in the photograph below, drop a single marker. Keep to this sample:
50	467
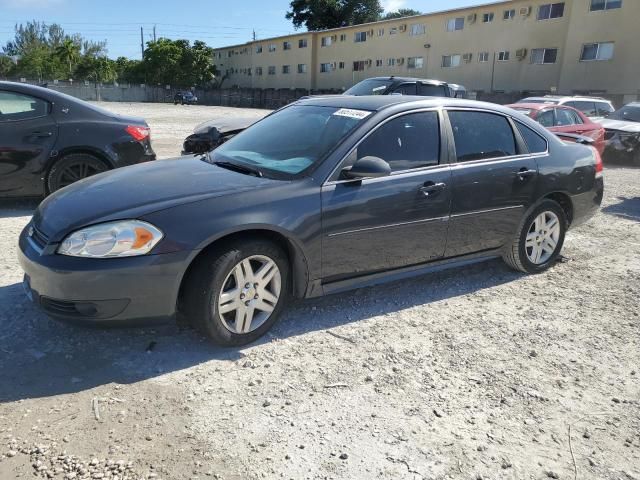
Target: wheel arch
87	150
564	200
299	269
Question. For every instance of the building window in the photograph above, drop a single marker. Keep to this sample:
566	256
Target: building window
360	37
543	56
272	47
325	67
302	43
302	68
393	30
509	14
379	63
551	10
391	62
483	57
286	45
325	41
415	62
487	17
418	29
258	70
341	65
503	56
272	71
454	24
597	51
599	5
381	32
286	69
259	49
358	66
343	37
450	61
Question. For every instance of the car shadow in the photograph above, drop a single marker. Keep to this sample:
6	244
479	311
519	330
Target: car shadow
40	357
628	207
19	207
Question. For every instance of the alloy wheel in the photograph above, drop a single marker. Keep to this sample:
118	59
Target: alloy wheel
249	294
77	171
542	238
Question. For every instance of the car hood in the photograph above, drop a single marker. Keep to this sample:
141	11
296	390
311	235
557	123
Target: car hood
135	191
622	125
227	124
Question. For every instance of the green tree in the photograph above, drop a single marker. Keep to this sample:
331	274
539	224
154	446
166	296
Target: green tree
6	66
129	71
69	53
401	13
176	62
98	70
325	14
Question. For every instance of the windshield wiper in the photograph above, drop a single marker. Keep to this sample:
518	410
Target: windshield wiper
239	168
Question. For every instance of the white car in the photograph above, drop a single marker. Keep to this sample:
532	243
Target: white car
622	133
595	108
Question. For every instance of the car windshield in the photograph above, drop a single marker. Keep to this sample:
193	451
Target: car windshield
628	113
369	87
290	141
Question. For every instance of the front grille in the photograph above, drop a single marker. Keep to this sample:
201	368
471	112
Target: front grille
39	238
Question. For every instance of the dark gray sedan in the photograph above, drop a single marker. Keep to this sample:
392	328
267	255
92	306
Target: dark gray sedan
324	195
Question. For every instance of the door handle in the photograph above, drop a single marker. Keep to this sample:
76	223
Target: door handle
431	189
526	173
41	134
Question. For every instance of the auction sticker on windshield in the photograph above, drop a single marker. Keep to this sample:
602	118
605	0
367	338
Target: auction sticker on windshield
350	113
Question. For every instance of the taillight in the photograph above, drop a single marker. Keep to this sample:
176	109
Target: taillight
599	164
137	132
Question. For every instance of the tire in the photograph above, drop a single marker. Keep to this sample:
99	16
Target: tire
520	254
71	168
216	273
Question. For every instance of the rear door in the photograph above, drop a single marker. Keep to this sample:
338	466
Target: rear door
380	224
493	180
567	121
28	134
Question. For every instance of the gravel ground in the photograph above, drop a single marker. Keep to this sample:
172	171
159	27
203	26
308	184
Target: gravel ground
474	373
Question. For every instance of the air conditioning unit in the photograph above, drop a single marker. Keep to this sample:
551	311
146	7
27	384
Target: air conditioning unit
521	53
400	61
403	28
334	66
467	57
472	18
525	11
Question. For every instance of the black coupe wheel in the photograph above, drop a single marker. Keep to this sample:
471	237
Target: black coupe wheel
235	294
71	168
539	239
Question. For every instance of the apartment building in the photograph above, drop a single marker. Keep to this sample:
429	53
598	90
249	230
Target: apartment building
570	46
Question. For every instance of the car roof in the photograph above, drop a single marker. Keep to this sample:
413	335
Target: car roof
561	98
409	79
380	102
532	106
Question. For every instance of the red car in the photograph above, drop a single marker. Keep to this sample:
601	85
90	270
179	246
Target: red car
561	119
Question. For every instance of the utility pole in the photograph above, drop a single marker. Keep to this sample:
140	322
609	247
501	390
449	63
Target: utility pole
154	33
254	35
493	71
142	42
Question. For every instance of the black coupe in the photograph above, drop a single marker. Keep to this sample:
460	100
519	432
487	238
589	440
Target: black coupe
49	140
324	195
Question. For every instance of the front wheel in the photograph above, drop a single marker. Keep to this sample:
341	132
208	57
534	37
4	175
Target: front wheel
236	294
539	239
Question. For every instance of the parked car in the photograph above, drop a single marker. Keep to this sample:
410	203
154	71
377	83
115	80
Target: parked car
49	140
596	108
623	133
562	119
406	86
322	196
212	134
185	98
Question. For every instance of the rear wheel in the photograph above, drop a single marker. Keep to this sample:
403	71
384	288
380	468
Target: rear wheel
539	240
71	168
236	294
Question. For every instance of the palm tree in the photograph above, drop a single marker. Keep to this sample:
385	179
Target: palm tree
68	52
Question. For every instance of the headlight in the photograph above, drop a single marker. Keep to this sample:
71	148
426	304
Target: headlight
127	238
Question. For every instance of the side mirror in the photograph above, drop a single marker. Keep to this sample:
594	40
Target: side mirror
367	167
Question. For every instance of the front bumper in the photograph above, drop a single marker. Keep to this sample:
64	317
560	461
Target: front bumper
127	290
621	145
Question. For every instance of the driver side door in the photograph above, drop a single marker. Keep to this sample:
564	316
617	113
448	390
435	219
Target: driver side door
376	224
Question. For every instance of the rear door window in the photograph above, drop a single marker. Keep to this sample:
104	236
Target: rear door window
406	89
481	135
15	106
564	118
427	90
603	109
546	118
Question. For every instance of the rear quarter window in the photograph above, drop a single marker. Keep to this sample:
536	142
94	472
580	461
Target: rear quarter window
535	142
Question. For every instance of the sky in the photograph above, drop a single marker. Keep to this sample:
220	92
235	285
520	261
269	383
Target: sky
216	22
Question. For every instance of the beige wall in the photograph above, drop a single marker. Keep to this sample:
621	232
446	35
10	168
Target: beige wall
568	74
